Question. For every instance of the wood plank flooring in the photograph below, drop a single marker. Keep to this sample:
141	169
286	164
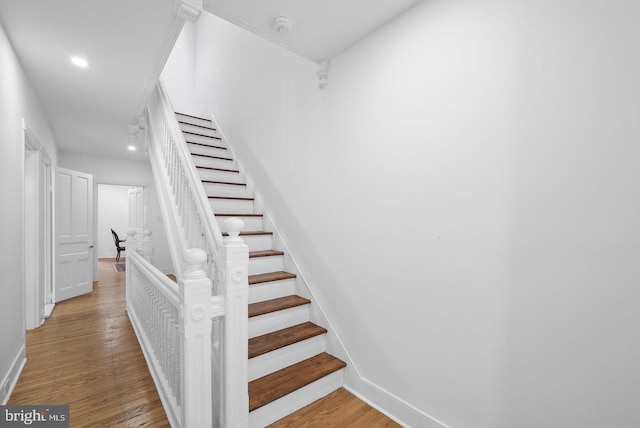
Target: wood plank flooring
339	409
86	355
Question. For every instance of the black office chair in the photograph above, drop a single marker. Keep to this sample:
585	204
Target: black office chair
117	242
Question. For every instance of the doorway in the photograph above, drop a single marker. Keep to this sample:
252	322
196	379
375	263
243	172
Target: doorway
121	208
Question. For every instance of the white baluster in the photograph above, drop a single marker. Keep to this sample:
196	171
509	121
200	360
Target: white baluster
195	299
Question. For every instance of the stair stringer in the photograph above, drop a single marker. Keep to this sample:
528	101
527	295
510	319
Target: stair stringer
376	396
334	344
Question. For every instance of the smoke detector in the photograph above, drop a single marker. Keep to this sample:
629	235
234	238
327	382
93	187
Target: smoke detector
282	24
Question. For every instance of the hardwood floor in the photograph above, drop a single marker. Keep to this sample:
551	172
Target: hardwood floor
337	410
86	355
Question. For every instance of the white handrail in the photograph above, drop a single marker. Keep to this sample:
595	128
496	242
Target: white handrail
189	216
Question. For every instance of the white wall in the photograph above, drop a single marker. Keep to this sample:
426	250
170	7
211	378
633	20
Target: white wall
127	173
113	213
17	101
178	72
574	229
461	198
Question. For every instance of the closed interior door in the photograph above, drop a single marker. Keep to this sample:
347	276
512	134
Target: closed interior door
74	233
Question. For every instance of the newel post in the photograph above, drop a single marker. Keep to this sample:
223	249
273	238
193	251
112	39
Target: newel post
147	245
195	302
234	264
131	234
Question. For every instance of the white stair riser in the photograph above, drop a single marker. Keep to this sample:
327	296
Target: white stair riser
278	359
250	223
271	290
194	120
258	242
234	206
215	189
202	139
278	320
198	129
213	162
258	265
288	404
211	151
216	175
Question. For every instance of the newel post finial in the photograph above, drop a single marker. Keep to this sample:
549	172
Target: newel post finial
195	259
234	227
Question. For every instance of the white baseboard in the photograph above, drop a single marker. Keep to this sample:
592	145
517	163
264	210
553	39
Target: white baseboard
393	407
48	309
11	378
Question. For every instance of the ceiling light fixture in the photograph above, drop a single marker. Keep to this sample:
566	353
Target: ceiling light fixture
79	62
282	24
132	148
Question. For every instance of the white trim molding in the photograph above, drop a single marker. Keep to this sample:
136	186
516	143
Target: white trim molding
387	403
184	10
189	10
10	379
323	74
30	139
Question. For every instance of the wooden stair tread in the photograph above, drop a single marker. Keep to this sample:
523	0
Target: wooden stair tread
195	117
251	233
265	253
287	336
237	215
235	198
199	126
217	169
212	157
274	305
223	182
270	276
276	385
201	135
207	145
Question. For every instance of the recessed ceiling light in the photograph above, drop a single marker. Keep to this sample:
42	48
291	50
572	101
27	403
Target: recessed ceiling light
132	148
79	62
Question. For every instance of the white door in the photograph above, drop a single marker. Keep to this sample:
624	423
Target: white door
74	234
136	214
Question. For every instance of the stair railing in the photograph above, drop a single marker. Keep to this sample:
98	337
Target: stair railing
205	382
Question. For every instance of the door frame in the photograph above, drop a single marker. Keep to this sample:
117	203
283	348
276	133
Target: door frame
96	212
37	229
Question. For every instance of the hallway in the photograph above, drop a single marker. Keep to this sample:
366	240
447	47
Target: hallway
86	355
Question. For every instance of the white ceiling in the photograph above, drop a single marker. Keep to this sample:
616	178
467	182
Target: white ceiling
321	29
90	110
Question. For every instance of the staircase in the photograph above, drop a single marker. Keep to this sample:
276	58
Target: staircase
288	367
